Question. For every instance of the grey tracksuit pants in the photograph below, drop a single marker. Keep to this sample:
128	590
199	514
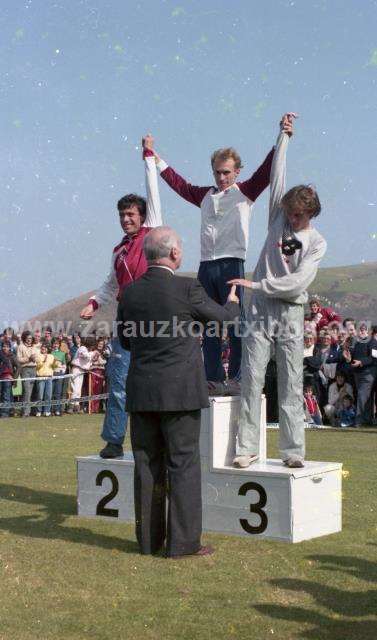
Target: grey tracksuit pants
272	322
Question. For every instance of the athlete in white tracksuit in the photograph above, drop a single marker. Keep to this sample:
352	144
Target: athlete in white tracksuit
276	318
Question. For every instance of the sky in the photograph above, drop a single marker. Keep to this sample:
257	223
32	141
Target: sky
82	80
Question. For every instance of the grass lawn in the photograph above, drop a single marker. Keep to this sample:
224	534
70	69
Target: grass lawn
68	578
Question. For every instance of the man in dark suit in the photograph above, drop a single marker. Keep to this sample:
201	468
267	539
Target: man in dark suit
160	320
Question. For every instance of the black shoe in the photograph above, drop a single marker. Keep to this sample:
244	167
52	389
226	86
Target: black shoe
216	388
232	387
112	451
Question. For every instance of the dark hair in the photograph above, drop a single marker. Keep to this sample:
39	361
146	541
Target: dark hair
374	328
348	397
132	199
348	320
25	335
303	196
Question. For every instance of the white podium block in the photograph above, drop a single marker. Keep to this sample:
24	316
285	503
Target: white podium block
105	488
266	500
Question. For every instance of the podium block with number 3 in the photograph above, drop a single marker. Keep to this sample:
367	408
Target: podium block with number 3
267	500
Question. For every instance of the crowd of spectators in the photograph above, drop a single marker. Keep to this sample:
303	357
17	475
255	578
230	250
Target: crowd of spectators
57	371
50	374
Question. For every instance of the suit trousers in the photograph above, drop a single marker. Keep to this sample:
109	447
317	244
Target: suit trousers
167	464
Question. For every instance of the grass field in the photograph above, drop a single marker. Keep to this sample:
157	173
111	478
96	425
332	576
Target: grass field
71	578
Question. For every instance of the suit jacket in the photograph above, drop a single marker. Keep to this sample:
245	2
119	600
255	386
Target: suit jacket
166	370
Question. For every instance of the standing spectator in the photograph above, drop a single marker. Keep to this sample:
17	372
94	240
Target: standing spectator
349	325
312	361
363	360
322	316
9	336
60	368
337	391
79	365
312	412
26	357
347	413
45	370
329	355
8	372
47	337
37	341
97	374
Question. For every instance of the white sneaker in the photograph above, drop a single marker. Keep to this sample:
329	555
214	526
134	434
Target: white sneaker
242	462
47	415
38	414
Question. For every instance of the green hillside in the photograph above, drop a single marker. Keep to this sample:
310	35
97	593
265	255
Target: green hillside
352	290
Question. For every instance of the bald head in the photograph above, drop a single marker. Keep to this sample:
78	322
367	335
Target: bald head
163	246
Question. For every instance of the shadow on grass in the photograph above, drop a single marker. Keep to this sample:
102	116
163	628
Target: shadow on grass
48	521
344	606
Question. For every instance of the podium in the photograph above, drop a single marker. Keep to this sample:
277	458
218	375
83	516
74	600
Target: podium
266	500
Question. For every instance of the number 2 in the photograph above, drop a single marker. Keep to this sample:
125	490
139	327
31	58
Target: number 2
101	510
255	507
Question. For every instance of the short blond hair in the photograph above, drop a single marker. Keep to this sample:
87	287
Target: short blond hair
226	153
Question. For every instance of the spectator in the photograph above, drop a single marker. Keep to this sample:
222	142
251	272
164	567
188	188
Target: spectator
47	336
322	316
312	363
26	357
37	341
363	361
337	391
329	355
97	374
347	413
312	411
349	325
60	368
45	370
8	371
79	365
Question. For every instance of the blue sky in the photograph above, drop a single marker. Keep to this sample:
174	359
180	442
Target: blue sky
81	81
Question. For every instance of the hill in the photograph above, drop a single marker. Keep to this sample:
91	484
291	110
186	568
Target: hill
352	290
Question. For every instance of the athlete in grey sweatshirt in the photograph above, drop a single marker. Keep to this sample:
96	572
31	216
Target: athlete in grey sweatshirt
287	265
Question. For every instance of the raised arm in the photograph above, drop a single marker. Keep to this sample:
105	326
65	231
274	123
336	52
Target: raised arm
189	192
154	215
278	176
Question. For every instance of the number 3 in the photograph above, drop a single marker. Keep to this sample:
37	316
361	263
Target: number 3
255	507
101	511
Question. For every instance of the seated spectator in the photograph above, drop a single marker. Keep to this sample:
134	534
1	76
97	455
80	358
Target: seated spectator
8	372
362	359
347	412
312	412
79	365
322	316
60	368
97	374
337	391
45	370
26	358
